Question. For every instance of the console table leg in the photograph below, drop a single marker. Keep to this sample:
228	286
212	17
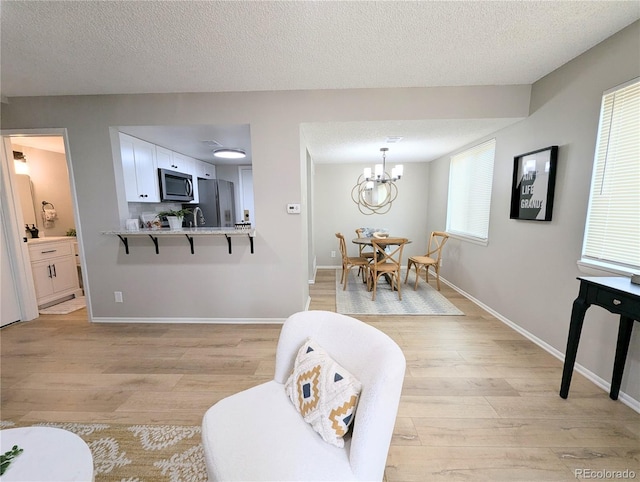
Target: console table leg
622	347
575	328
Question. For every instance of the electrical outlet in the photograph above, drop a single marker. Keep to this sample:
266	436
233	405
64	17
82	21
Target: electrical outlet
118	296
333	254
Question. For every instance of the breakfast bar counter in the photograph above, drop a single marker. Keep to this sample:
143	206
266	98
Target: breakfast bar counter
228	233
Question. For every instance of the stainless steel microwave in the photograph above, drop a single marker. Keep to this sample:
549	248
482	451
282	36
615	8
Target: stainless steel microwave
175	186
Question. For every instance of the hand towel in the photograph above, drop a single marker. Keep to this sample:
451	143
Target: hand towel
50	215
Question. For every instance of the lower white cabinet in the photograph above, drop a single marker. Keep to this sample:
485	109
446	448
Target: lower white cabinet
53	263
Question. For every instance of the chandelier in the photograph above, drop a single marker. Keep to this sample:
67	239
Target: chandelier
375	191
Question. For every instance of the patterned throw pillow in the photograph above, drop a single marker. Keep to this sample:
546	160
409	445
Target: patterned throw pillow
324	393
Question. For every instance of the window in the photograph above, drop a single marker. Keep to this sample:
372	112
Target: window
612	233
470	180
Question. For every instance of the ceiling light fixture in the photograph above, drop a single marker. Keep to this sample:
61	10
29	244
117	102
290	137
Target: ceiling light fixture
375	191
229	154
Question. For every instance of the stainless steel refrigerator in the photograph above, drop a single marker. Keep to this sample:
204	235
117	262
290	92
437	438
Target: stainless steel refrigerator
217	201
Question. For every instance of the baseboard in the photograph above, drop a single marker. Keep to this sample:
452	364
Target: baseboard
228	321
601	382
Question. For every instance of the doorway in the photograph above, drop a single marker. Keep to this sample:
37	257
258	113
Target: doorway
247	214
42	204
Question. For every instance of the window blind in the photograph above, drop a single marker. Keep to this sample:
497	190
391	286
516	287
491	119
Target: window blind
470	181
612	234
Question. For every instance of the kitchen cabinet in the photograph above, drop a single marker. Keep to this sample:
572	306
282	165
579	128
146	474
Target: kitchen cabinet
205	170
164	159
182	163
55	274
139	169
174	161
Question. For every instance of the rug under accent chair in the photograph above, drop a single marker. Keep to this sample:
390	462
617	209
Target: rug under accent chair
138	452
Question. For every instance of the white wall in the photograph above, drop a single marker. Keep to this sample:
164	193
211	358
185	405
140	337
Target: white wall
528	271
273	282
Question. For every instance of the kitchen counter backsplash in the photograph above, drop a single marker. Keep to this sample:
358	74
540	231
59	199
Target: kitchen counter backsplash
136	209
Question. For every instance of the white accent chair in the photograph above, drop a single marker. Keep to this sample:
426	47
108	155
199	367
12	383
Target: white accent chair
257	434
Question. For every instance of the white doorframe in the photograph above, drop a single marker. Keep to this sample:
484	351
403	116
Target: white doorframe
12	213
17	248
10	311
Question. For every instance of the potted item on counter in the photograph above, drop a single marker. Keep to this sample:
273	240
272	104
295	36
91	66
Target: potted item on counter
175	217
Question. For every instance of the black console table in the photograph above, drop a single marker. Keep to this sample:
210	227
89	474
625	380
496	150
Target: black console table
617	295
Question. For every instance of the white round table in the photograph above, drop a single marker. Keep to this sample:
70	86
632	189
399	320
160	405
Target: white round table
49	454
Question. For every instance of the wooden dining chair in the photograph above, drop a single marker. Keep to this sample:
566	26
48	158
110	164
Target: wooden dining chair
437	240
349	262
386	262
364	251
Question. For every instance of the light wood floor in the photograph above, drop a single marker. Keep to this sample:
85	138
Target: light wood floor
480	402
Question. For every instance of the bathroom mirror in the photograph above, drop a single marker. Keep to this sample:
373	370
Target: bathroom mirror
25	190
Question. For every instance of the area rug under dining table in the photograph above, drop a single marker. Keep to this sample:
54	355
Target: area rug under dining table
356	300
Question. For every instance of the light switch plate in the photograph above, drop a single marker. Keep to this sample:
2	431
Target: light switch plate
293	208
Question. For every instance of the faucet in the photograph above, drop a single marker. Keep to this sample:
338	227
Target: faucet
197	220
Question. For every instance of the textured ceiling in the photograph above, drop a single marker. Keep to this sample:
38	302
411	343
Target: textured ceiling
422	141
110	47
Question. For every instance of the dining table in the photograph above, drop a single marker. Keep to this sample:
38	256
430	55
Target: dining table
368	241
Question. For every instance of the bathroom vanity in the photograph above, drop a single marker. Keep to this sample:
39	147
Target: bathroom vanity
53	263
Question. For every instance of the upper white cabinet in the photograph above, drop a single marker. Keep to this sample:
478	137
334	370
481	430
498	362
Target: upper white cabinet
139	169
174	161
205	170
183	163
141	161
164	158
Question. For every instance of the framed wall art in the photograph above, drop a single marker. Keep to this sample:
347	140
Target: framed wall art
532	189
